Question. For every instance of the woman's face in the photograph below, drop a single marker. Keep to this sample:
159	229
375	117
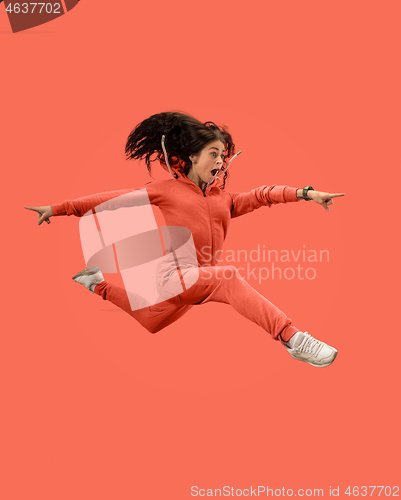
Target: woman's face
208	162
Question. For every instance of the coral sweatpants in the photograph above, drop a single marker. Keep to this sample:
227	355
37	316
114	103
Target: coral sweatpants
214	284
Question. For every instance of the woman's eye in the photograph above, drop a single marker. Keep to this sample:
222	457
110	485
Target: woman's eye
215	154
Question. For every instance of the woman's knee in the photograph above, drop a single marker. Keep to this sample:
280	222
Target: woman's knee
157	322
147	319
151	326
153	329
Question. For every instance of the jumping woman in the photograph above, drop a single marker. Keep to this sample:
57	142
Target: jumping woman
195	200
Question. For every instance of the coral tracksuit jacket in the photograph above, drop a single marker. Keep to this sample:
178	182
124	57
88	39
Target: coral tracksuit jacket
182	202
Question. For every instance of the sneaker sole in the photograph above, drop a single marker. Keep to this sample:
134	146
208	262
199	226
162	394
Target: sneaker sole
316	365
92	270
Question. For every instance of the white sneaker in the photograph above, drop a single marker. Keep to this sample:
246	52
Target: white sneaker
312	351
89	277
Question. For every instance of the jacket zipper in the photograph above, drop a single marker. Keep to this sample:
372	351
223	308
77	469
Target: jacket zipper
210	222
211	230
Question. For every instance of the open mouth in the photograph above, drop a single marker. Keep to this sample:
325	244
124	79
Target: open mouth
214	171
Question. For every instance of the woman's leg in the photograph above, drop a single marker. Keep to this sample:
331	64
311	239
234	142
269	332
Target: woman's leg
224	284
153	318
210	284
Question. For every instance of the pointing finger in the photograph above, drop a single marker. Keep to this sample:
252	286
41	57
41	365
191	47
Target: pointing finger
337	194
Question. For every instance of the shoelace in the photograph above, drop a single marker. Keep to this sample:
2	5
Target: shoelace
309	344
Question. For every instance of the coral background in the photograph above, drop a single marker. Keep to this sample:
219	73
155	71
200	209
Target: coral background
93	406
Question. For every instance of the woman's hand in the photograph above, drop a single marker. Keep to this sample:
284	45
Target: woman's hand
323	199
44	213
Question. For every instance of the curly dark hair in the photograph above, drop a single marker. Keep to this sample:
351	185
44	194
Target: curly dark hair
184	136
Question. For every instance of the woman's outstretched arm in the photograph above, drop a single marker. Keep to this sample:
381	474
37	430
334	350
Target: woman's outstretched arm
153	193
80	206
110	200
263	196
267	196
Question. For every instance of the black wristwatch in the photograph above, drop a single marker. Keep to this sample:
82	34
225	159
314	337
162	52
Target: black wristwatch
305	193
